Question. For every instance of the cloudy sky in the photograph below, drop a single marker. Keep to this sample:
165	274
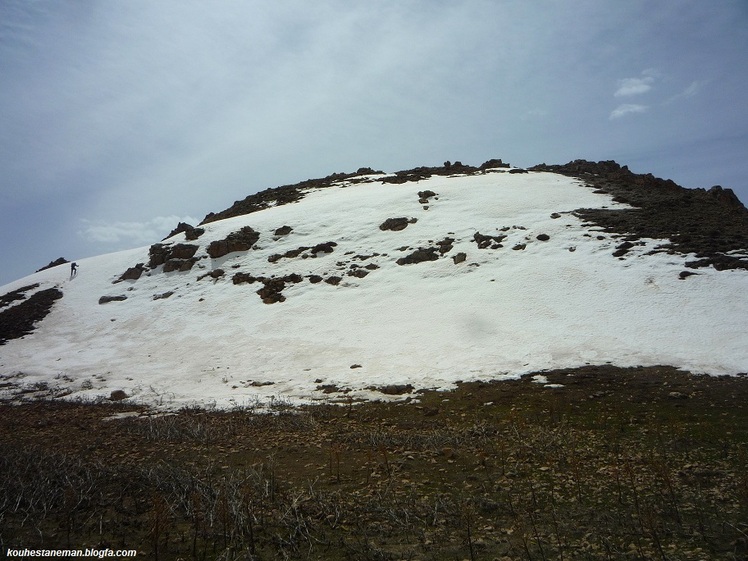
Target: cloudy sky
119	119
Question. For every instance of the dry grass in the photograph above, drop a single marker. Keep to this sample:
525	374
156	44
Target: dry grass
619	464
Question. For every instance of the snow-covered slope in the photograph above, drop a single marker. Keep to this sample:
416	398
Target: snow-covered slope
532	304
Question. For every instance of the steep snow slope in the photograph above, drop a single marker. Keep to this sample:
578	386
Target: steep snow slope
526	306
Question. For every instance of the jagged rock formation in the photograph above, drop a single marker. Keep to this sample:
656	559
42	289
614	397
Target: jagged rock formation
242	240
283	195
709	223
190	232
58	261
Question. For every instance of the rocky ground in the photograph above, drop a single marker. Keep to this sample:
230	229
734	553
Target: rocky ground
646	463
713	223
19	320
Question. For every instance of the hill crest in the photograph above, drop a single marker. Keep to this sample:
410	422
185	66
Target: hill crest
368	284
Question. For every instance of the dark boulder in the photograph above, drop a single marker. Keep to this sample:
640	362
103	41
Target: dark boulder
445	245
190	232
396	224
485	241
183	251
270	293
163	295
326	247
118	395
107	299
159	254
240	278
419	255
133	273
241	240
180	265
493	163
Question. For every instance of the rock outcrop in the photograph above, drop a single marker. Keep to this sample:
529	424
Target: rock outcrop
241	240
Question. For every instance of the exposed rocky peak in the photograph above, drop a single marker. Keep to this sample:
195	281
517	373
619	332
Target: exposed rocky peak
285	194
190	232
55	263
709	223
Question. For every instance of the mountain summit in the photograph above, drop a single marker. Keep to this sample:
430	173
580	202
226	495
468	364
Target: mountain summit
369	285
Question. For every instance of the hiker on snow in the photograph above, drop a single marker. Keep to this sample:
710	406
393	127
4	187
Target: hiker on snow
73	269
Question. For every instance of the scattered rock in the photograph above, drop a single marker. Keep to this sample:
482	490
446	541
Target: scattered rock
419	255
543	237
519	246
445	245
241	240
329	388
214	274
358	273
283	231
118	395
424	196
685	274
163	295
459	258
180	265
710	223
355	366
107	299
326	247
396	224
392	389
485	241
493	163
270	293
180	257
241	278
333	280
622	249
133	273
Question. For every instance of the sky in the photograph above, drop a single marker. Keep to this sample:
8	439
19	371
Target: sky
120	119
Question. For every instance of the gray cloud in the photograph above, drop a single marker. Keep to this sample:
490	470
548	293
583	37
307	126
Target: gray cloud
627	109
119	112
131	233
